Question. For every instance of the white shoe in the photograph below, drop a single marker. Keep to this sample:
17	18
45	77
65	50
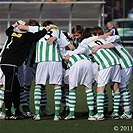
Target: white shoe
70	117
2	115
115	116
57	118
28	114
99	117
125	116
91	118
36	117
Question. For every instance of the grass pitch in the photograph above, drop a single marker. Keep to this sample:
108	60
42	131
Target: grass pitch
79	125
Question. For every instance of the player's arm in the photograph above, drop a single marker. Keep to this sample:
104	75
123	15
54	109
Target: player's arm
97	47
32	29
111	32
23	27
33	37
108	34
9	31
79	50
51	40
67	57
66	41
71	46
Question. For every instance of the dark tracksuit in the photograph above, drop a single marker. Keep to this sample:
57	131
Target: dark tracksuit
16	50
116	32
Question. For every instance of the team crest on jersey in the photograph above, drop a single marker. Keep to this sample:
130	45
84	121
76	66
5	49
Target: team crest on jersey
16	35
67	39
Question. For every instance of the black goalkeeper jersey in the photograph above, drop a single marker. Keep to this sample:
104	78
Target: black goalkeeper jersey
18	46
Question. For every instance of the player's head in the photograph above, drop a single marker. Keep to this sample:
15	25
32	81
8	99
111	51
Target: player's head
87	32
32	22
46	23
96	31
109	25
77	32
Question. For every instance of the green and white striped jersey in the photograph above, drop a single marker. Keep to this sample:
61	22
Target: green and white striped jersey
50	52
104	57
46	52
74	58
123	55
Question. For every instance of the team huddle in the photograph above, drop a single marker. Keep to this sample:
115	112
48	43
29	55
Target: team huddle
85	57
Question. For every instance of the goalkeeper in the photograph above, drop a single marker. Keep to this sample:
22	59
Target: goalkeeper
15	52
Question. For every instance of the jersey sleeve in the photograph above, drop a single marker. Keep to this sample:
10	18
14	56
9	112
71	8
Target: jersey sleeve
64	40
91	39
36	36
112	31
82	49
114	38
9	31
34	29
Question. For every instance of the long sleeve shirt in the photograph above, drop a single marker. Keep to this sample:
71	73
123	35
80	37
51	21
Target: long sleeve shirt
18	46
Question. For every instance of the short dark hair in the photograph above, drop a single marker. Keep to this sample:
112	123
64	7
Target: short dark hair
46	23
32	22
97	30
78	29
87	32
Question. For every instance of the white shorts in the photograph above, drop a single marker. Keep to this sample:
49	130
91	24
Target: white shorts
51	71
81	72
2	78
109	75
125	77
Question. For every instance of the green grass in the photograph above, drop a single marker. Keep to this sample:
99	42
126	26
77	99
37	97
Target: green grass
80	125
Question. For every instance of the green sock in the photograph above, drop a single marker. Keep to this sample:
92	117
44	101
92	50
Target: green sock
72	101
57	100
13	110
100	103
37	98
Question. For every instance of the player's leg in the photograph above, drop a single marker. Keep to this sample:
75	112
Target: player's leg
55	78
116	101
2	89
37	99
40	80
102	81
29	75
2	115
86	73
12	93
57	100
100	103
90	102
65	93
64	100
116	79
105	103
125	93
72	103
23	100
43	104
